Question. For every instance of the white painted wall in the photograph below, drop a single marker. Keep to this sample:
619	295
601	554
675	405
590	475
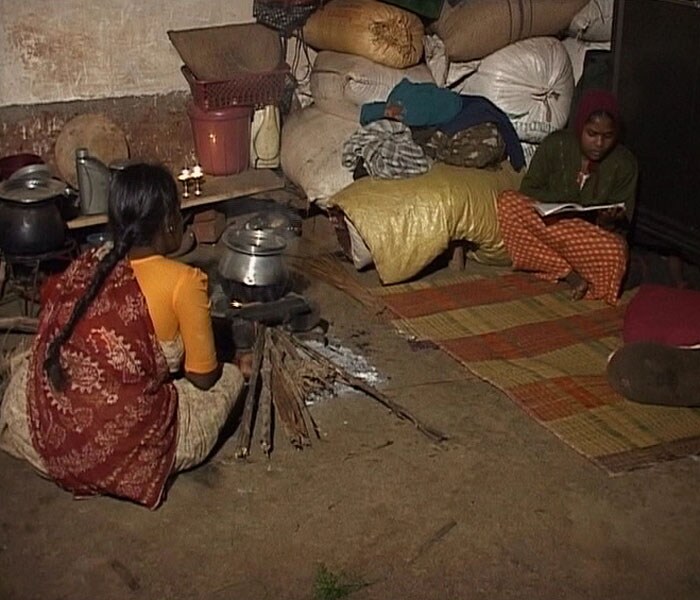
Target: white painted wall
59	50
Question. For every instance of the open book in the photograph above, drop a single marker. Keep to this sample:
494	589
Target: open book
552	208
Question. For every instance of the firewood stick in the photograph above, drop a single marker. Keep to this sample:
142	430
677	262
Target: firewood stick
265	402
355	382
243	433
288	403
19	324
300	396
282	404
287	395
288	359
309	422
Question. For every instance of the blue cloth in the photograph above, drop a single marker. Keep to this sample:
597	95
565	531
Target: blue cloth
427	105
372	111
476	110
420	105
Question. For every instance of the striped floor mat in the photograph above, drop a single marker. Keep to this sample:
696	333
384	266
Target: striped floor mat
548	354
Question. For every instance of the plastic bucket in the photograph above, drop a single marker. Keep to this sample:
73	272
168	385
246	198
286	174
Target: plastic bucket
222	138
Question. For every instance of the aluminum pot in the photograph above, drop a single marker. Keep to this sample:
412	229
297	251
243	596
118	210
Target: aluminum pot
253	257
30	218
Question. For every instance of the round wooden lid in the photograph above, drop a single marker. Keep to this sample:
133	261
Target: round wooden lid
103	139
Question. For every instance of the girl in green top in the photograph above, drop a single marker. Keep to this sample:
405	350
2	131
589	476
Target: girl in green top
588	167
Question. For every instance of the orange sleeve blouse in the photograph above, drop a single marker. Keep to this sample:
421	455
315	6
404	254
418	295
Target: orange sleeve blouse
178	302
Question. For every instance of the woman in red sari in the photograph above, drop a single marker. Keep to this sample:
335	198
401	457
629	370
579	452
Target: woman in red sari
585	166
122	387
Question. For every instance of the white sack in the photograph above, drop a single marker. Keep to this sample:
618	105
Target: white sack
436	58
341	83
445	72
359	252
312	148
577	49
531	81
594	21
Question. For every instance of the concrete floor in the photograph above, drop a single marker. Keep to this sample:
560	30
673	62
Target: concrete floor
502	510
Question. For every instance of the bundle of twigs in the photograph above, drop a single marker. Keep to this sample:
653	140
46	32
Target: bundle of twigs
279	385
285	373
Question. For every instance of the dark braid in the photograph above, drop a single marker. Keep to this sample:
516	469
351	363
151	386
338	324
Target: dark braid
141	199
52	364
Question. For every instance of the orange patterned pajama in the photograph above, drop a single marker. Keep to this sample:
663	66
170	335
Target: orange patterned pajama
552	251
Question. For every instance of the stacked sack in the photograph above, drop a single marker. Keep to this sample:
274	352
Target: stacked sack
365	48
590	29
511	52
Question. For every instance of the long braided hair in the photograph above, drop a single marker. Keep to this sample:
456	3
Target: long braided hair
142	198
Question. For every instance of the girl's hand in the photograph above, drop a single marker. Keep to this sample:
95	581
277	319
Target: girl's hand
612	218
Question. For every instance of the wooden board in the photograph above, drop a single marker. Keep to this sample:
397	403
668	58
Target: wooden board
214	189
103	139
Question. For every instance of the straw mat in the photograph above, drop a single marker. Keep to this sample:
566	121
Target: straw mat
548	354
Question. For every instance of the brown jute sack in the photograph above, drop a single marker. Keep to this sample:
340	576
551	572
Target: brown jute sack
380	32
476	28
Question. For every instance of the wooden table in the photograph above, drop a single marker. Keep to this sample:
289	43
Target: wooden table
214	189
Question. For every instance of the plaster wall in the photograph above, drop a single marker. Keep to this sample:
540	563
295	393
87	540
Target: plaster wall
61	50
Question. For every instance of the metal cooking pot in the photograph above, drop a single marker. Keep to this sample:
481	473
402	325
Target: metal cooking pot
253	257
30	217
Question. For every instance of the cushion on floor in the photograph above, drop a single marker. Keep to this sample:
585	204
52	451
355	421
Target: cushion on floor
663	314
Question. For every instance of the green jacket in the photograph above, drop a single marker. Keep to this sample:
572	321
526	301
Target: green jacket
553	171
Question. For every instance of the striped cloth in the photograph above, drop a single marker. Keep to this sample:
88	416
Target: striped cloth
387	149
555	250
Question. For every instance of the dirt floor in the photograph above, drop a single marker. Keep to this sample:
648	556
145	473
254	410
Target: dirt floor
501	510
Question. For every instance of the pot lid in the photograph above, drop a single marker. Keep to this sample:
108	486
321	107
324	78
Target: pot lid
31	189
35	171
257	242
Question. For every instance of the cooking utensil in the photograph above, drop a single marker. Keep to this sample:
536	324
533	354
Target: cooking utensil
35	171
30	217
253	257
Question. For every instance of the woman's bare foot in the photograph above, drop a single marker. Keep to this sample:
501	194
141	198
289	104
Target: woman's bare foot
579	286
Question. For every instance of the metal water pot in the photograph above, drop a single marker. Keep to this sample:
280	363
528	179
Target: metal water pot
30	216
253	257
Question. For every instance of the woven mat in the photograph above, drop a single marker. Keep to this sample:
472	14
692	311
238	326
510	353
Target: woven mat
548	354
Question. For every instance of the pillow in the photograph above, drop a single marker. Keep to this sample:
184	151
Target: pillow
663	314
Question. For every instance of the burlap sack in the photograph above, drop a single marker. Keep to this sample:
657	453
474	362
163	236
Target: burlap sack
385	34
342	83
312	150
476	28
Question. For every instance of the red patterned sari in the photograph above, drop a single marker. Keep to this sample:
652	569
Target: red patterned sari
113	428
